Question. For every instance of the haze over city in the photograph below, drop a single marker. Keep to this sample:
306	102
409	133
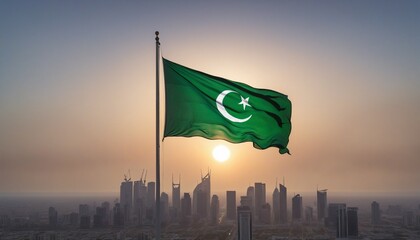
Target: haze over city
77	106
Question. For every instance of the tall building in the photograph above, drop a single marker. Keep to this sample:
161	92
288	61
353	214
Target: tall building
118	215
84	216
250	193
52	217
201	198
321	204
333	214
107	207
283	204
176	198
341	221
297	208
164	207
246	201
244	223
186	208
99	219
139	200
214	210
265	214
276	205
150	201
260	198
375	213
126	198
231	205
308	214
352	222
84	210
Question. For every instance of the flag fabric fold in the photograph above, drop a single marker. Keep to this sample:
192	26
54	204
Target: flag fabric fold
199	104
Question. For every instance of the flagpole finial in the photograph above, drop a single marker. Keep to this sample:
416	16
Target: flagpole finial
157	36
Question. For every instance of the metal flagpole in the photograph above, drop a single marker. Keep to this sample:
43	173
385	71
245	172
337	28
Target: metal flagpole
157	141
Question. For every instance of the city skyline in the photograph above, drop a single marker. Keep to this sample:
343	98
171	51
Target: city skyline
77	93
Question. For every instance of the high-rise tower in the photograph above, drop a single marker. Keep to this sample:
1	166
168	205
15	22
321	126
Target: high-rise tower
321	204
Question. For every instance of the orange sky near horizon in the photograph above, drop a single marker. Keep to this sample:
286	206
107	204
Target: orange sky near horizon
77	93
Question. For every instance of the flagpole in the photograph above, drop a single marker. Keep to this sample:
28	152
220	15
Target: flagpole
157	141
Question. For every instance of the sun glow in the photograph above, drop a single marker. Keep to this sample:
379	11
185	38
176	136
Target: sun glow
221	153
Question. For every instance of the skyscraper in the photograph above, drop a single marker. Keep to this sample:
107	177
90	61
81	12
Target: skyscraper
176	198
283	204
201	198
352	222
139	200
250	193
376	213
231	205
333	214
297	207
164	207
260	198
341	221
84	216
186	208
321	204
150	201
52	217
214	210
265	214
244	223
308	214
126	198
276	205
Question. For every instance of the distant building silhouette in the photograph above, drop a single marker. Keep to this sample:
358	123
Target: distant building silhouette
99	219
84	215
352	222
333	214
265	214
176	199
186	208
375	213
231	205
151	201
297	208
408	219
164	208
341	222
214	210
139	200
245	201
309	214
283	204
321	204
276	205
260	198
250	193
201	198
52	217
126	198
118	215
244	223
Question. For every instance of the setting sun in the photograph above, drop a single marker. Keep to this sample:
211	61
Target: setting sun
221	153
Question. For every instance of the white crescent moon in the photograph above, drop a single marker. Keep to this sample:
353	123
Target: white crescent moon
222	109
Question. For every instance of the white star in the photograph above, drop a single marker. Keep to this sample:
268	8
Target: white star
244	102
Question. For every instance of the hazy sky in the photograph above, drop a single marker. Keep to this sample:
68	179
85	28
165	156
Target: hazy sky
77	92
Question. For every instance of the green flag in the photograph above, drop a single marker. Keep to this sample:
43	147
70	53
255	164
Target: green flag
199	104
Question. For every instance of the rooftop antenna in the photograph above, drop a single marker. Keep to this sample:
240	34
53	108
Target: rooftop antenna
277	182
145	177
284	183
141	178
